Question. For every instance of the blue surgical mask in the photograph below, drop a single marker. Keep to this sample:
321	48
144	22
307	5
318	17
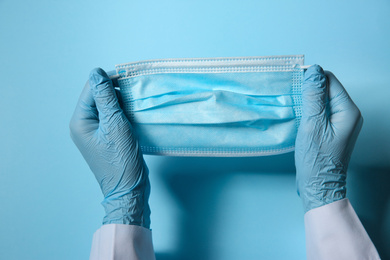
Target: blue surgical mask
248	106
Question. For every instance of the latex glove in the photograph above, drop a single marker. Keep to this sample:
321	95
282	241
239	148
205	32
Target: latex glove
104	137
329	127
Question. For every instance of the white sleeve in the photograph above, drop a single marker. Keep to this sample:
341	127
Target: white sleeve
335	232
120	242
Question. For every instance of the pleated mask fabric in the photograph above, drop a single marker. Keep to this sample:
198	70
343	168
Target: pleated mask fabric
243	106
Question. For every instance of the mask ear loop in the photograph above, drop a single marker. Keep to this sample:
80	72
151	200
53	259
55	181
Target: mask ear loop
114	79
114	76
305	67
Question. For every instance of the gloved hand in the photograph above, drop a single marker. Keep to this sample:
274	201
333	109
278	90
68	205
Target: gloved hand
104	137
329	127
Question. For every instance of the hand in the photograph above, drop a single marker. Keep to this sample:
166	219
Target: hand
329	127
104	137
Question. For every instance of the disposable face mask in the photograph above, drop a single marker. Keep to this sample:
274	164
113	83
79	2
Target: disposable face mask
249	106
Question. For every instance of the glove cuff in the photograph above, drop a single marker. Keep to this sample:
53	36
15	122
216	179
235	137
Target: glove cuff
130	209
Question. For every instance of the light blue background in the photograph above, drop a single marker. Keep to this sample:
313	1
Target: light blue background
202	208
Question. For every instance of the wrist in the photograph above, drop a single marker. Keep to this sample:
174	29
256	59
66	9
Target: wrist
321	188
130	209
314	196
311	201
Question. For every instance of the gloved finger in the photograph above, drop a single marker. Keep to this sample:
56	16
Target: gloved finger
85	116
114	78
344	115
314	93
119	96
104	95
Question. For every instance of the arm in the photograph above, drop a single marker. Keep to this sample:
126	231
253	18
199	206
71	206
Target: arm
334	231
329	127
118	241
104	137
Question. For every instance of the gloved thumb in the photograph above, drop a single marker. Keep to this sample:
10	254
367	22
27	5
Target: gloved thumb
104	94
314	93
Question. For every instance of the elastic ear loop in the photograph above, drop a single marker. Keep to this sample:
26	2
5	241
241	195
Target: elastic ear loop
114	79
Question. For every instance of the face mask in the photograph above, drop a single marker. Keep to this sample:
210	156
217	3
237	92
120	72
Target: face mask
249	106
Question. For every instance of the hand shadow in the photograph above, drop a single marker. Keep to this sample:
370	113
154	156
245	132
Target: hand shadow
369	178
196	184
369	194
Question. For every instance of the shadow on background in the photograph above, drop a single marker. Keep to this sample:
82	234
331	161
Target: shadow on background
369	176
370	195
196	184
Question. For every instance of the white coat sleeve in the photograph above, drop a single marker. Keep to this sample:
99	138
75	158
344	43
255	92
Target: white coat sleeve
122	242
335	232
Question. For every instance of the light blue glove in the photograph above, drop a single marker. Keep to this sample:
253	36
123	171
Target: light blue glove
104	137
329	127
